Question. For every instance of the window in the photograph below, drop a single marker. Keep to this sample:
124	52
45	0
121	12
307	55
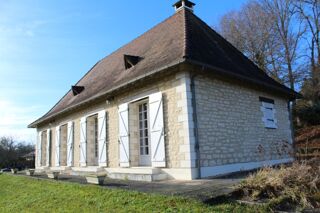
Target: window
96	137
143	129
268	111
130	61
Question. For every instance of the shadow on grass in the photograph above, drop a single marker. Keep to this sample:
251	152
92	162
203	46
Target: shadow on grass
223	199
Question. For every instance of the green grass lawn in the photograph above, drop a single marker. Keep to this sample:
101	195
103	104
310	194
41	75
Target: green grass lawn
24	194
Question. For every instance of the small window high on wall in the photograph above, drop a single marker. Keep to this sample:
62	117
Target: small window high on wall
267	108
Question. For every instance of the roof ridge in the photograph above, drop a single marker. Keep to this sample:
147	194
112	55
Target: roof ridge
185	31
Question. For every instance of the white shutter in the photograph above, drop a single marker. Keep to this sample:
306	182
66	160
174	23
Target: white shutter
70	144
102	138
269	115
48	148
58	141
157	130
83	141
124	135
39	149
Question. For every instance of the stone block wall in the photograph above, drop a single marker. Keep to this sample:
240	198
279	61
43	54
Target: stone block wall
63	145
44	144
92	160
134	134
53	148
174	89
230	124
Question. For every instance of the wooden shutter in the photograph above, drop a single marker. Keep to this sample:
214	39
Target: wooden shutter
39	149
70	137
269	115
102	122
83	141
57	154
48	150
157	130
124	135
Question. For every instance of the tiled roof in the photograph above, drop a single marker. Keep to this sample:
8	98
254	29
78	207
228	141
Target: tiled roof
181	38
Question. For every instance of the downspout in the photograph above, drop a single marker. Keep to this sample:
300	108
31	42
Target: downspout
290	111
195	120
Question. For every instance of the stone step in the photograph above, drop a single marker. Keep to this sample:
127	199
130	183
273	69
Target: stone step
137	174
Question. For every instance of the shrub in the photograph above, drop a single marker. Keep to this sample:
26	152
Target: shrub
308	114
295	185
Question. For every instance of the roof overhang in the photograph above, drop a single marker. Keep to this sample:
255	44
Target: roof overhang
292	95
46	118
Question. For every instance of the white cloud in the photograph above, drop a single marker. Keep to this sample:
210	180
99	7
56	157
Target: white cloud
14	120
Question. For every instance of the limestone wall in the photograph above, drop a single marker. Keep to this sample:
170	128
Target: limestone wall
230	124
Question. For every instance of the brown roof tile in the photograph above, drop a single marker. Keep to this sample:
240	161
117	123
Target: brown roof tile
181	37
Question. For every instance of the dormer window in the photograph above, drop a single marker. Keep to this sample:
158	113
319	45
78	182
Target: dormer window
130	61
76	90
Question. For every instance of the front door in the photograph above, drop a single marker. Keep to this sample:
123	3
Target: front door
145	159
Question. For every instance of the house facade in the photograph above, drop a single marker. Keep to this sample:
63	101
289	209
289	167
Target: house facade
178	102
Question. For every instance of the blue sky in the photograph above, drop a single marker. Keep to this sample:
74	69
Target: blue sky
47	46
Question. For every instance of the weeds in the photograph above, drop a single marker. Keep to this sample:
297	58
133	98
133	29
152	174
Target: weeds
284	187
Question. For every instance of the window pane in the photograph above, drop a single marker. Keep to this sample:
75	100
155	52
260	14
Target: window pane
146	141
147	151
141	151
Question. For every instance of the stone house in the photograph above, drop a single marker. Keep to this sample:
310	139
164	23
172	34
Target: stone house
178	102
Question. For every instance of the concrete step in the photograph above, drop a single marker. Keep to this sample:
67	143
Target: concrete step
137	174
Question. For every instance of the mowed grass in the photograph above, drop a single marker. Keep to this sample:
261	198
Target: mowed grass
24	194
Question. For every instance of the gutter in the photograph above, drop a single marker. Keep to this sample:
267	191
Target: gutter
195	120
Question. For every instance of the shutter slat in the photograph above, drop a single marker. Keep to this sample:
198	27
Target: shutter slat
102	138
39	158
48	155
157	130
269	115
57	153
83	141
124	157
70	137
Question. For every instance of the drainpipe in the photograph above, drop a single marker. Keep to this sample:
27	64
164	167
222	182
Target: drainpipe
290	111
195	120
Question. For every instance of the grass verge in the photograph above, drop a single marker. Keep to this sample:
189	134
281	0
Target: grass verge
24	194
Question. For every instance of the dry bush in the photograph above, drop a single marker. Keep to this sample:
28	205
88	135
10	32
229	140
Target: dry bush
307	134
296	185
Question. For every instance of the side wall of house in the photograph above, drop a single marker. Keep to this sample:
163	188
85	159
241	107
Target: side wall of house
232	135
174	90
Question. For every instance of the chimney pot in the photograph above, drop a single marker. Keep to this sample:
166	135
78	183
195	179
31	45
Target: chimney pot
184	4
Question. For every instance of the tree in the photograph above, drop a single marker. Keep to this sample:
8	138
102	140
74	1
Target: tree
309	13
290	32
11	152
269	33
251	30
